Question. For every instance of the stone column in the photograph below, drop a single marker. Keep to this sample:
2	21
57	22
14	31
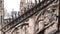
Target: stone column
23	30
20	30
32	25
1	24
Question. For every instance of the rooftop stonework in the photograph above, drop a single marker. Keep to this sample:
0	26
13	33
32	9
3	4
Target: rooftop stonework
42	22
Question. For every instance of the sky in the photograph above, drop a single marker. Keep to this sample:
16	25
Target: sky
11	4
